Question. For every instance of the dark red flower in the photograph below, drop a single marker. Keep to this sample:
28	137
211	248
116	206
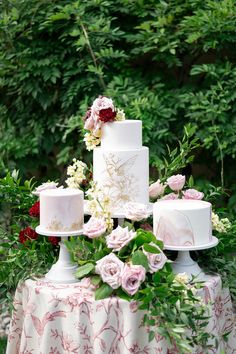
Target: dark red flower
34	210
27	234
54	240
107	115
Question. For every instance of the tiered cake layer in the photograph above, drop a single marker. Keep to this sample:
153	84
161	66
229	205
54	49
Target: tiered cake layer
183	222
121	164
61	210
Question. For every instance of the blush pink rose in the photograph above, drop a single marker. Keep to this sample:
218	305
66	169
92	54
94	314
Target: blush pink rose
170	196
95	227
100	103
119	237
45	186
156	261
176	182
156	189
110	268
136	211
192	194
132	277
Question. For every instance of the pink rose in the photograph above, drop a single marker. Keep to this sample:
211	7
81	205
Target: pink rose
45	186
110	269
95	227
102	102
176	182
136	211
170	196
119	238
156	261
192	194
132	277
156	189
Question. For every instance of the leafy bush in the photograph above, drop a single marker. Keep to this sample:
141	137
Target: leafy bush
167	63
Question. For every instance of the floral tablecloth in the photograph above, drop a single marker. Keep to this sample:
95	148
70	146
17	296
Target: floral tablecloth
54	318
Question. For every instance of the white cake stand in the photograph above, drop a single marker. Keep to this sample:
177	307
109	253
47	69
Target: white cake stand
184	263
63	271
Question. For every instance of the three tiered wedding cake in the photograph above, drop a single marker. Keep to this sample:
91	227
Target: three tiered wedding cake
121	163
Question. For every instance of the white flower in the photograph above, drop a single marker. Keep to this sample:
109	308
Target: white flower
110	269
44	186
91	141
119	238
182	278
120	115
222	225
136	211
77	173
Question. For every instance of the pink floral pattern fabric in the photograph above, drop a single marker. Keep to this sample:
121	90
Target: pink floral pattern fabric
54	318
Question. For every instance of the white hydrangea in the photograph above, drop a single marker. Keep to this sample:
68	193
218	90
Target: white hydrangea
222	225
182	278
76	173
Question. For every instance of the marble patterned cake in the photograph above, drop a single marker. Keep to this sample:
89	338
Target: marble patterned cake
182	222
61	210
121	163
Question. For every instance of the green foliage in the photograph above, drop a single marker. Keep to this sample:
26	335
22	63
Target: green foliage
166	62
19	261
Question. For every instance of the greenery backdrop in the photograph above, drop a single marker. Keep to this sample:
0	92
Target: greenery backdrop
165	62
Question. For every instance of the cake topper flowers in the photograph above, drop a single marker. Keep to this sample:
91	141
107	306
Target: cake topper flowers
102	111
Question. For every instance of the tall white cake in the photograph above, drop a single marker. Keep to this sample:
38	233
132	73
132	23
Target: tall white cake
121	164
61	210
182	222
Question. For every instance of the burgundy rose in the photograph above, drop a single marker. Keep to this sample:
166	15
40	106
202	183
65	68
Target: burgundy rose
107	115
54	240
34	210
27	234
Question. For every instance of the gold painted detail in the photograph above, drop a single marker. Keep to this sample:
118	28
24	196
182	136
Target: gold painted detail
56	225
119	183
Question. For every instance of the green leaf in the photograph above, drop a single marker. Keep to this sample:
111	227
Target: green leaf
150	248
104	291
84	270
151	336
139	258
95	279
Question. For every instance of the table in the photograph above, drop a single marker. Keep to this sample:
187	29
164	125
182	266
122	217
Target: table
52	318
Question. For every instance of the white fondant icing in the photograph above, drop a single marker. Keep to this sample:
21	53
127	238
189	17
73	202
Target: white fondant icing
182	222
61	209
122	174
122	135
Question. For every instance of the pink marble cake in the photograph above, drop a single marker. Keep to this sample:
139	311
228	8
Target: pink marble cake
182	222
61	210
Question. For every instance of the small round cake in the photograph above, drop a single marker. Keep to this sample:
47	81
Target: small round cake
182	222
61	210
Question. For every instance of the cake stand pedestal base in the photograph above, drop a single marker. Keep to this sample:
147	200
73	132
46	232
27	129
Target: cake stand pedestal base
63	271
184	263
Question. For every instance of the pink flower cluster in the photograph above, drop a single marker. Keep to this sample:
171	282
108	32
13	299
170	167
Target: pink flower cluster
102	111
95	227
176	184
116	273
136	211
